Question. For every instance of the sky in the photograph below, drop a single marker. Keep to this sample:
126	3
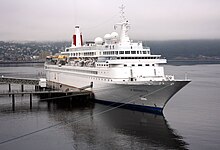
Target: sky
54	20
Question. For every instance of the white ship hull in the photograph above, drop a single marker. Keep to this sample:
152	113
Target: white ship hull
144	96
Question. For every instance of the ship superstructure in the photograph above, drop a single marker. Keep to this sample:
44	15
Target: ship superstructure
121	71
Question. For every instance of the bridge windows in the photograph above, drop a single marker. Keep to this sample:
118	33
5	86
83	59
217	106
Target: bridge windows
127	52
121	52
133	52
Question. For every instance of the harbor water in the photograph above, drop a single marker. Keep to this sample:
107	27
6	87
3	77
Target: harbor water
190	118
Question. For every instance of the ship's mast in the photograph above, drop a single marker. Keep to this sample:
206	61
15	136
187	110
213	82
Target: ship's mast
124	38
122	13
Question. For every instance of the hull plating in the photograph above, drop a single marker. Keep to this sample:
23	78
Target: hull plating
147	95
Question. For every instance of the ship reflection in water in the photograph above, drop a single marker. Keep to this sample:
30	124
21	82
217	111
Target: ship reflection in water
94	127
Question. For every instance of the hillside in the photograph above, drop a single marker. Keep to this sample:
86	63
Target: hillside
172	50
186	49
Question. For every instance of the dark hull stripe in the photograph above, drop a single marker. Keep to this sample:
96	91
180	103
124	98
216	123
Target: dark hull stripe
149	109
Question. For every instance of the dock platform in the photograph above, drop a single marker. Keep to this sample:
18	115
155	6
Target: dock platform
26	81
53	91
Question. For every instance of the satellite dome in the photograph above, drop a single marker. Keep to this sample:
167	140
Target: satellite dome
114	35
98	41
107	37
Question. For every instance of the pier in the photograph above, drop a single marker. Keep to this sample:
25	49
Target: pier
49	91
22	81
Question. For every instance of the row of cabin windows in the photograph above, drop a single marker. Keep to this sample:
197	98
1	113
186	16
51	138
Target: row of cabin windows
102	64
83	54
125	65
109	53
74	70
138	57
103	79
125	52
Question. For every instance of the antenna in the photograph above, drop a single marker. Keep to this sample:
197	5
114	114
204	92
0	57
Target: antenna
124	24
122	13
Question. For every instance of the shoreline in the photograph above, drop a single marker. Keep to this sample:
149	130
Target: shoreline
191	62
21	62
169	61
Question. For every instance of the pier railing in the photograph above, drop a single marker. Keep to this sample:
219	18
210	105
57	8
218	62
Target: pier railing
26	81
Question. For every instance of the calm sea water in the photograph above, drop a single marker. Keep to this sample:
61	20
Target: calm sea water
191	118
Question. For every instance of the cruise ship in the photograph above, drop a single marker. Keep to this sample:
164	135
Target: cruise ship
117	70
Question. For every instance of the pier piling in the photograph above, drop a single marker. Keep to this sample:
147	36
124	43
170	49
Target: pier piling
30	101
9	88
22	89
13	102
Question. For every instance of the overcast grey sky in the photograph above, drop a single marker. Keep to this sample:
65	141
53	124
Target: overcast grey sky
150	19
